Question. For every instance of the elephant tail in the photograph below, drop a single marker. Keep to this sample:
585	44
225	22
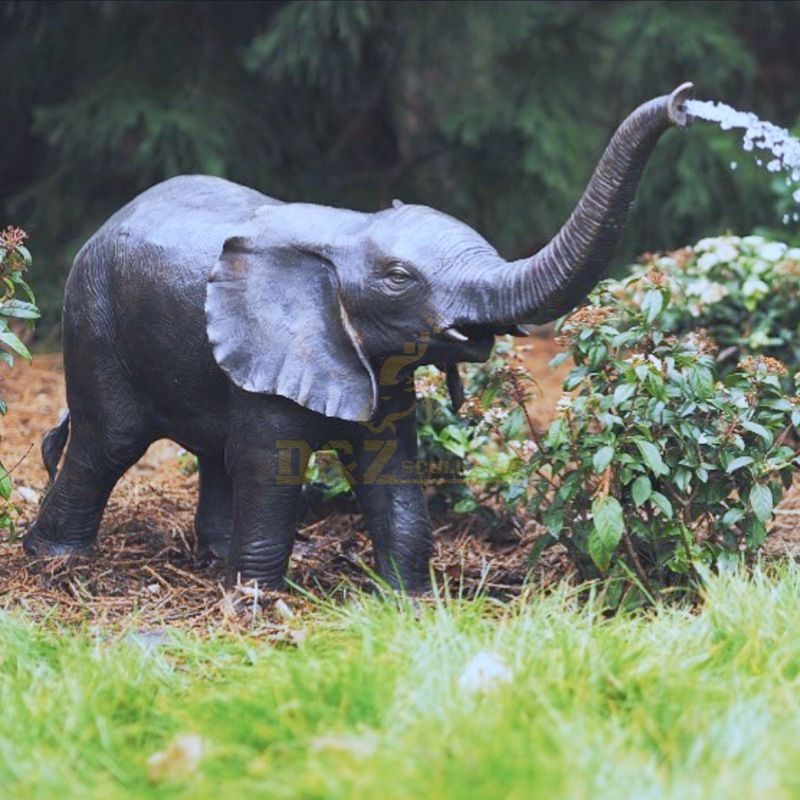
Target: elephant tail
53	445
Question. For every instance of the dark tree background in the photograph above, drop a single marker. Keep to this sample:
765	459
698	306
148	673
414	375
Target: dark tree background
493	112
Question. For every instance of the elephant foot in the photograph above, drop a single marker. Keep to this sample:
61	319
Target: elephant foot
35	545
265	580
209	552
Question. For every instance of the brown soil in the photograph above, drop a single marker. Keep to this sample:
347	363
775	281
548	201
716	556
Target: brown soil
144	565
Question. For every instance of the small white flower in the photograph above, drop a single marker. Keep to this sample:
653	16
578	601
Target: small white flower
793	254
564	403
771	251
753	241
706	291
727	253
708	259
494	416
528	449
754	287
486	671
708	243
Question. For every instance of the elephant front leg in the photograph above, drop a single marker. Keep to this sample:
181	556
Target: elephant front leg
266	503
391	495
400	530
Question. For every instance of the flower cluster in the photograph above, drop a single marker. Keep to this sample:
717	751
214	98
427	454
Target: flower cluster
765	364
12	237
742	291
590	317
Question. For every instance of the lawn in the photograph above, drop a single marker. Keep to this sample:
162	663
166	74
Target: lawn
365	700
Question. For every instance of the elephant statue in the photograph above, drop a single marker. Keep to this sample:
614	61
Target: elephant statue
253	332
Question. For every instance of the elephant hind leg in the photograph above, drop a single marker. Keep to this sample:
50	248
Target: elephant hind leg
213	520
96	458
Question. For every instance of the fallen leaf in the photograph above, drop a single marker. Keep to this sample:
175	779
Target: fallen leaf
178	760
283	609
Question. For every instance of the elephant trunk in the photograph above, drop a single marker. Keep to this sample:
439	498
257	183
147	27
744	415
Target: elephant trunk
558	277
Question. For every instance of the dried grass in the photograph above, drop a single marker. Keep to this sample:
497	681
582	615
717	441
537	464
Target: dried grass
144	568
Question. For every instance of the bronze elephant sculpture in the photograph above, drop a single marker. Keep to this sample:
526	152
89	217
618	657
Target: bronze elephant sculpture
253	332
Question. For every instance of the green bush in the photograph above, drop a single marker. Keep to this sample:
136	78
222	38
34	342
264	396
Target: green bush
14	261
656	463
744	291
474	457
671	444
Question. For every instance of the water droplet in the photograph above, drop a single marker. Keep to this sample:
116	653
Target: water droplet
758	135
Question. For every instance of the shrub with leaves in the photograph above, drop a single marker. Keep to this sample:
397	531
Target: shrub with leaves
745	291
655	463
475	457
14	261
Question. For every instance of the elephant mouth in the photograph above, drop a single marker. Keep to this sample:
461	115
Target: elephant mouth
476	341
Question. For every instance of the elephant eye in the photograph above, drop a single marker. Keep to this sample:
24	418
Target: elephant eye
397	276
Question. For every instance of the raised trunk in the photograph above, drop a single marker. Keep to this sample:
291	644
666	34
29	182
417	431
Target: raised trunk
558	277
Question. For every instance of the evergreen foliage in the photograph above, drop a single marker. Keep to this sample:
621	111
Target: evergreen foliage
493	112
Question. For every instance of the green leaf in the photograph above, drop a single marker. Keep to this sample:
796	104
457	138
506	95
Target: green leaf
755	532
602	458
557	433
6	484
25	253
738	463
732	516
682	477
513	424
553	519
701	381
662	503
652	457
623	392
759	430
465	505
761	502
608	526
19	309
641	490
11	340
652	304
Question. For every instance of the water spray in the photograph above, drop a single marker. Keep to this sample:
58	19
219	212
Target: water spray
783	148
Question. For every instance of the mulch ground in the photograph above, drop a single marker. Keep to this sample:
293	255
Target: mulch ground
144	568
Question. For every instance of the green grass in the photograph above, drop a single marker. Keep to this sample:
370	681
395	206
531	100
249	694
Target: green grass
677	704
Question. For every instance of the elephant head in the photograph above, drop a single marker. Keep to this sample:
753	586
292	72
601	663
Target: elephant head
323	305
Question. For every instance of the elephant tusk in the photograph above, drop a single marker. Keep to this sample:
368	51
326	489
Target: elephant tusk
455	335
519	330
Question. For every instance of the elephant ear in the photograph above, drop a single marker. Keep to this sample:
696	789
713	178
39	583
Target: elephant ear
277	326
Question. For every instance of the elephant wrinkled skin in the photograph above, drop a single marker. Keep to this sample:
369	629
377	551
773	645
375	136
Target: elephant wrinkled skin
253	332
